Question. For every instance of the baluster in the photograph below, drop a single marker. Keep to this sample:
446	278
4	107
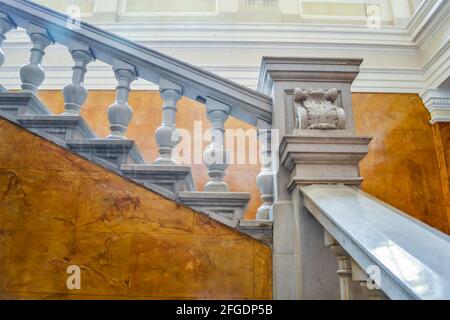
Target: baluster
166	134
75	93
32	74
373	292
215	156
120	113
264	180
6	24
344	270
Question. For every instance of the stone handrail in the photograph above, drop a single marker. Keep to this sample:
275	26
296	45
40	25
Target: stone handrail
413	259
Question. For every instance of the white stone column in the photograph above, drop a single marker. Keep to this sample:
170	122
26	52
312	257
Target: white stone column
120	113
216	157
32	74
75	93
166	135
264	180
6	24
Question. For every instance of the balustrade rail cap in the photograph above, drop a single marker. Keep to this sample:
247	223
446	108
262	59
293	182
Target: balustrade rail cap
414	256
198	84
306	69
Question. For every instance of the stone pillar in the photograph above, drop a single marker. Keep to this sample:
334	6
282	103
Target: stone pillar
75	93
264	180
120	113
32	74
166	134
215	156
6	24
317	144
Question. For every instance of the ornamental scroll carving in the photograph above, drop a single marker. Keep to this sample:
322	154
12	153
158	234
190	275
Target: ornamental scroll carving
317	109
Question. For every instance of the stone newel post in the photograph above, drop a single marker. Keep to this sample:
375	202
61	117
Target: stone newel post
312	111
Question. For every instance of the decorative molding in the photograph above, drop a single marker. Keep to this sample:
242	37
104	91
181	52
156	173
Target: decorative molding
306	69
438	104
437	68
318	109
429	17
225	207
393	59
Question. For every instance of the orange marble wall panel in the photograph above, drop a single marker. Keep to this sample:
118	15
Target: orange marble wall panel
444	132
147	118
402	166
57	209
441	133
198	266
262	283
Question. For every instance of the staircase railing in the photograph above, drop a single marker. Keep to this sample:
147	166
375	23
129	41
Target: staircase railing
129	61
389	253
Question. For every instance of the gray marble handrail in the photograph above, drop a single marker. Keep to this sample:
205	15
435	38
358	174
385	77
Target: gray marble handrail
245	104
414	259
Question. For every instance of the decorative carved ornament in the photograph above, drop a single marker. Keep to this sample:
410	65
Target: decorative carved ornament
317	109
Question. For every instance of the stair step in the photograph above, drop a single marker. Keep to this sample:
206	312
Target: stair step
258	229
22	103
167	179
110	152
59	127
226	207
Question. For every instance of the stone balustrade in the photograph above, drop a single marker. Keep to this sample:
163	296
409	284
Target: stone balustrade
327	235
129	61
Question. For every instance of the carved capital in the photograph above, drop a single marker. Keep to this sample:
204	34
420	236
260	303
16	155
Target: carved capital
317	109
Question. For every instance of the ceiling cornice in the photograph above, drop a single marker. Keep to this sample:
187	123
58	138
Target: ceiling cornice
392	54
